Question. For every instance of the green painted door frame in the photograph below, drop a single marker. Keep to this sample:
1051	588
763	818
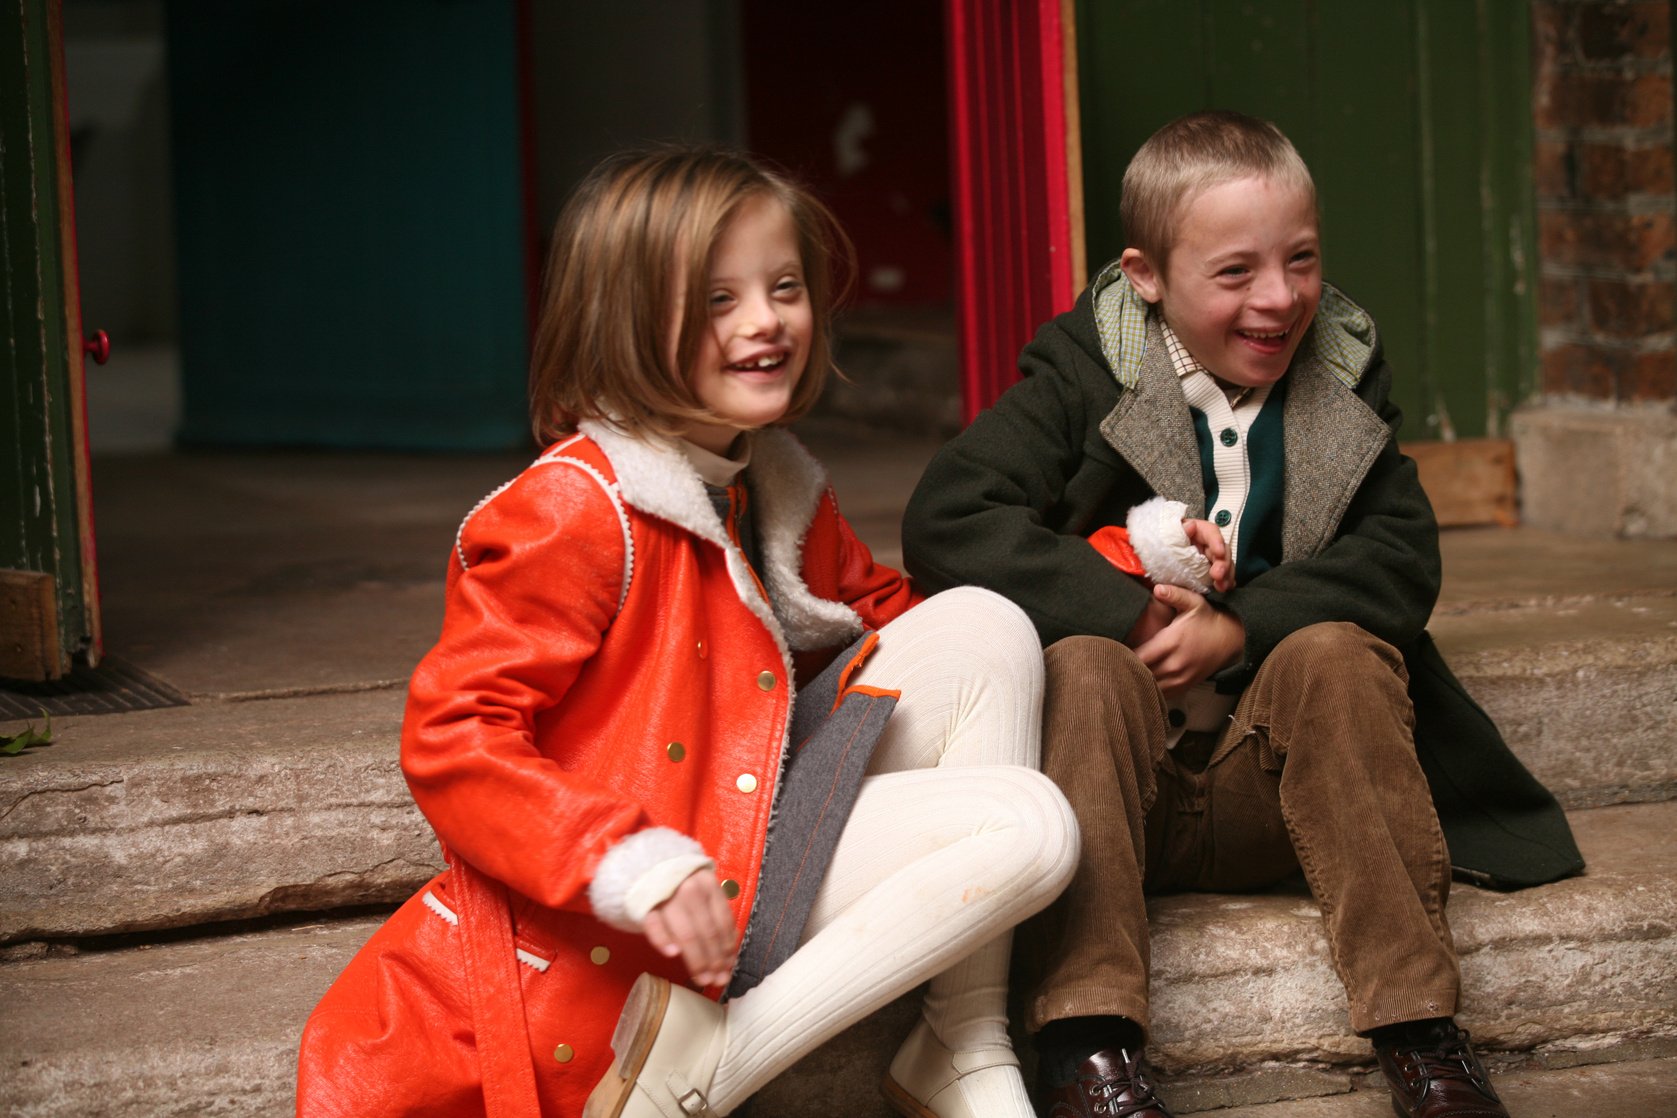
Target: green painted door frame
1415	119
45	510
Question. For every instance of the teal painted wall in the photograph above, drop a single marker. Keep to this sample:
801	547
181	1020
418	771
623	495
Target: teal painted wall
350	222
1415	119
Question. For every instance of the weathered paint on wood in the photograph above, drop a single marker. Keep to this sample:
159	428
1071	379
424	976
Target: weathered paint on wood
1415	118
1469	481
40	404
28	626
75	381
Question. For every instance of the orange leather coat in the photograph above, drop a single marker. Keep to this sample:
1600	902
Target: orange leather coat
609	665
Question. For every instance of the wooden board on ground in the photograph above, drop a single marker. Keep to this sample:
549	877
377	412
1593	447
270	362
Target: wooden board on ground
1469	481
28	626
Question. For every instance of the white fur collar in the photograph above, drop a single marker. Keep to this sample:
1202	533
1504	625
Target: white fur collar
786	483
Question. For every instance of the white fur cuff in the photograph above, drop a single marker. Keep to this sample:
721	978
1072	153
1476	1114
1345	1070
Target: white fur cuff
1162	546
641	872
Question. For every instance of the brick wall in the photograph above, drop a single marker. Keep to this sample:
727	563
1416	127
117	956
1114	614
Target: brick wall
1604	176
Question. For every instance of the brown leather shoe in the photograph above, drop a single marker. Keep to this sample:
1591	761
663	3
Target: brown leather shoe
1439	1078
1110	1084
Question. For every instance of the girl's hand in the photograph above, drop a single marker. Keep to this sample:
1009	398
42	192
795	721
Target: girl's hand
1202	640
697	924
1205	536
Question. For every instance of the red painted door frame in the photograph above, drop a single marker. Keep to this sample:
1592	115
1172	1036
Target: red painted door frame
1017	181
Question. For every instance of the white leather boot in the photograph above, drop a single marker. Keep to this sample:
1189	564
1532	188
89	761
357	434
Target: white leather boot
927	1080
667	1045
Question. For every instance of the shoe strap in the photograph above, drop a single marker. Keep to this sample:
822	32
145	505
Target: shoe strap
691	1100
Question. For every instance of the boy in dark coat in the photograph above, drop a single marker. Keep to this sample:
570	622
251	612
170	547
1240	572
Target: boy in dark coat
1297	716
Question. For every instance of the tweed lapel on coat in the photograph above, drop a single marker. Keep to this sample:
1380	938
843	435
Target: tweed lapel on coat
1331	439
1153	430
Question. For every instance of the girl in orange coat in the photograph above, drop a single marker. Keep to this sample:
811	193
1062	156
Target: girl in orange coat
669	878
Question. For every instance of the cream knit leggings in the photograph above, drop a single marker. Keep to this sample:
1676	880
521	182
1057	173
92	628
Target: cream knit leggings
954	839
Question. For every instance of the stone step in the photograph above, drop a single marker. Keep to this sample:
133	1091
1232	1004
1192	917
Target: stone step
181	816
196	1027
225	810
1247	1009
1584	689
1242	979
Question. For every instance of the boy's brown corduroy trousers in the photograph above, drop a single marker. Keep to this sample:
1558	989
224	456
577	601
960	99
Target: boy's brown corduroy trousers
1316	770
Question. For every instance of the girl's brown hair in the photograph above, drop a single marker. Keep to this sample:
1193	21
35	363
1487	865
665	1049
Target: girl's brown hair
640	228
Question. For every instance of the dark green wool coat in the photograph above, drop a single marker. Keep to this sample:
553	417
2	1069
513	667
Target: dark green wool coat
1073	446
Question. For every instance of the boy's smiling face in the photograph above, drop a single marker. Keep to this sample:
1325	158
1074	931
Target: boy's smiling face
1243	278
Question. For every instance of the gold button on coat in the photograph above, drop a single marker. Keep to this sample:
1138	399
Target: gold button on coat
676	750
600	956
730	888
766	681
701	650
746	783
563	1053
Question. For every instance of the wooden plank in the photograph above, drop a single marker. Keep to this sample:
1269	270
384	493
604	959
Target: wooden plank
40	519
1074	145
1263	63
1469	481
1368	178
83	604
29	626
1128	94
1460	310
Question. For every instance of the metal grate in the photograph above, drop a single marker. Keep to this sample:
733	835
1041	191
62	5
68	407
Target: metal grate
112	687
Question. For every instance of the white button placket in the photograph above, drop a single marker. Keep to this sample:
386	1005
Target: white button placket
1228	455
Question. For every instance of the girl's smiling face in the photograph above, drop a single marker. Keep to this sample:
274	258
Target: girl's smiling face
1243	279
761	325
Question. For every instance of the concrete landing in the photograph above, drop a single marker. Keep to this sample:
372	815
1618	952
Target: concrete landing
1635	1089
262	572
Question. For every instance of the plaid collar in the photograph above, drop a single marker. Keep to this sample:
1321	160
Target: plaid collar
1186	365
1342	335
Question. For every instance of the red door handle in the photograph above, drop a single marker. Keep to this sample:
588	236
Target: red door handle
98	347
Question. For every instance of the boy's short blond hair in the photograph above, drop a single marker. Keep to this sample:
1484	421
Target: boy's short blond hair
640	228
1189	156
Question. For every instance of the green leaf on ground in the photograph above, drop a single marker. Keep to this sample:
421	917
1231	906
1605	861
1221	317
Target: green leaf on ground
13	744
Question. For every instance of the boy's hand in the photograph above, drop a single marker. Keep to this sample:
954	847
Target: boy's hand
1200	641
1153	621
697	924
1205	536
